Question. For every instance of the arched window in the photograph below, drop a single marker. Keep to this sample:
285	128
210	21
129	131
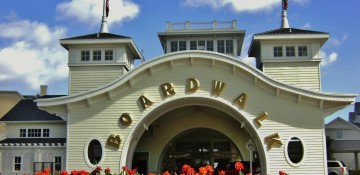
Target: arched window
295	150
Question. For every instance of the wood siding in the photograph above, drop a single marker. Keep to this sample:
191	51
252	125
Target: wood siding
300	74
85	78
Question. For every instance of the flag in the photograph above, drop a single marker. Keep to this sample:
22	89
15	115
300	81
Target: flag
107	8
284	4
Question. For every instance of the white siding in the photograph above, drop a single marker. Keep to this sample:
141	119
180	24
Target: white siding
85	78
301	74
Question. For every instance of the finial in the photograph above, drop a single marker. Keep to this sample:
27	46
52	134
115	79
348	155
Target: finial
284	21
104	28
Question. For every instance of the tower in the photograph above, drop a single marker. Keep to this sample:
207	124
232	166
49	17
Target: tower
98	58
290	55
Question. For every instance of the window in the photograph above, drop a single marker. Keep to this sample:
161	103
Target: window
193	45
85	55
174	46
57	164
210	45
201	45
295	150
278	51
108	55
220	46
46	132
338	134
17	163
290	51
22	133
97	55
34	132
182	45
302	51
229	46
94	152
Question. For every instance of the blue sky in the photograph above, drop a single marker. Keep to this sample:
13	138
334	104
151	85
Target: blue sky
30	54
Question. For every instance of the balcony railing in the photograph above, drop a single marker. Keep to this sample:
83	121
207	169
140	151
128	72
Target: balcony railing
201	25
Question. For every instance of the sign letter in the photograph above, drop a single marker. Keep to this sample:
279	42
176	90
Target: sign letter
241	100
145	102
260	118
192	85
273	140
218	87
167	89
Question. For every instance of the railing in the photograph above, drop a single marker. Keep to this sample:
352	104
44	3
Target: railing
201	25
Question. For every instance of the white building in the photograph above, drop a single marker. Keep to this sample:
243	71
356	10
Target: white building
197	103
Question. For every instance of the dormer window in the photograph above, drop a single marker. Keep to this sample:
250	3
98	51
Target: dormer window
302	51
85	55
290	51
108	55
193	45
182	45
278	51
97	55
174	46
210	45
229	46
221	46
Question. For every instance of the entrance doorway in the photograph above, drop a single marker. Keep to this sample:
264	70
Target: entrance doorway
199	147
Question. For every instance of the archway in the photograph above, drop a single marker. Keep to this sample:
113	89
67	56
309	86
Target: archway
170	119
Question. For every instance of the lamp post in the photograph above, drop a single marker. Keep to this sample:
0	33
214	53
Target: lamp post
250	146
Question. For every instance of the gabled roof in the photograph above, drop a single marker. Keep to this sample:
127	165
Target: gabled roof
340	123
290	31
96	36
33	142
27	110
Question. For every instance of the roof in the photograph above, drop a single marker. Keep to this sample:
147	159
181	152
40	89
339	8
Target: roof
97	36
290	31
33	142
27	110
345	145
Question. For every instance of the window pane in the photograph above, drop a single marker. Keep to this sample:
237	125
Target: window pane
57	163
229	46
221	46
22	132
295	150
108	55
94	152
210	45
182	45
97	55
193	45
46	132
17	163
174	46
85	55
201	45
302	51
290	51
278	51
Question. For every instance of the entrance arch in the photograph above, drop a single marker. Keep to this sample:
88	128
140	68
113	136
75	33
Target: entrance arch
208	112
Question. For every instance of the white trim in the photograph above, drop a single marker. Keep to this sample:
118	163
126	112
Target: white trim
86	146
287	155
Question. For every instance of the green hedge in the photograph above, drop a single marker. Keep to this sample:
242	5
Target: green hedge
354	172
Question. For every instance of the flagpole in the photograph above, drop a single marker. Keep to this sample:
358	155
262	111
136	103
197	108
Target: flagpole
104	28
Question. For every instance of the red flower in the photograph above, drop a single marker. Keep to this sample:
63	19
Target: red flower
248	174
209	169
166	173
222	172
64	172
239	166
282	173
124	168
131	172
152	174
202	171
107	170
185	168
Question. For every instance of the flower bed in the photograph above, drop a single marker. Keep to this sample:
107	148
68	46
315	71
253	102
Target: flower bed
185	170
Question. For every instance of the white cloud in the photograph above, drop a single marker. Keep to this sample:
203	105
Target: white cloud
240	5
328	59
338	41
33	55
306	26
90	11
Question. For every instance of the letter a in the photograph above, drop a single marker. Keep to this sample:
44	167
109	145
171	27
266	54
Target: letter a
218	87
145	102
241	100
192	85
